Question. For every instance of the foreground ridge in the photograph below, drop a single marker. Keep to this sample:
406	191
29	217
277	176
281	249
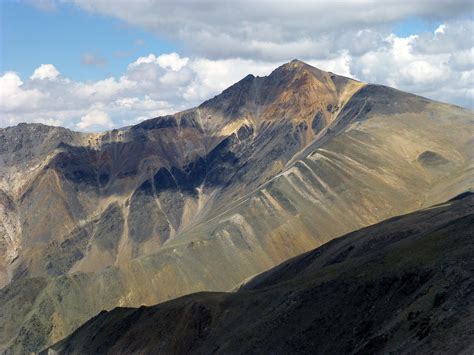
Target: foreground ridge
402	285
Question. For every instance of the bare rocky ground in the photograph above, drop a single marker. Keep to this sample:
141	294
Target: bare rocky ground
404	285
207	198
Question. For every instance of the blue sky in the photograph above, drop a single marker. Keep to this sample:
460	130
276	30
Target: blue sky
414	26
31	36
97	64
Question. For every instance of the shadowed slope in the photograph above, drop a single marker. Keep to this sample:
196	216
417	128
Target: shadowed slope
403	285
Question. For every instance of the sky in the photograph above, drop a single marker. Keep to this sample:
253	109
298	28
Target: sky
93	65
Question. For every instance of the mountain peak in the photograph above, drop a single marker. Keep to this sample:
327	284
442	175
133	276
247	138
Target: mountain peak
296	69
295	91
296	63
293	65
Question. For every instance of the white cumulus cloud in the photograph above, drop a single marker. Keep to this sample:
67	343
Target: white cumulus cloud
13	95
95	119
170	61
45	71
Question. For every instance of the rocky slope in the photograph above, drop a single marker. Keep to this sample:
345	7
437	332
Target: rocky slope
402	286
203	199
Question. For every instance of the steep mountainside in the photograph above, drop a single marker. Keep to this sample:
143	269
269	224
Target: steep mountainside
404	285
201	200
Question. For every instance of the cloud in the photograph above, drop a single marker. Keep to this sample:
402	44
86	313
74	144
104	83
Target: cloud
43	5
122	54
95	118
152	85
440	29
13	95
448	37
102	90
272	30
45	71
209	77
340	65
422	65
170	61
462	60
93	60
158	84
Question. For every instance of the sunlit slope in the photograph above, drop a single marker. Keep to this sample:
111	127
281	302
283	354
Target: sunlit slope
209	197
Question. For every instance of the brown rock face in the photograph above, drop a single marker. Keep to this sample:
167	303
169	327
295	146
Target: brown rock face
201	200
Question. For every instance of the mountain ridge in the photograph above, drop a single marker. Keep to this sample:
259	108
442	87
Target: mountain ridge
230	188
382	305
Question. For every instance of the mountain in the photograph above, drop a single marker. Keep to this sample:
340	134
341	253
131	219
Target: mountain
206	198
402	286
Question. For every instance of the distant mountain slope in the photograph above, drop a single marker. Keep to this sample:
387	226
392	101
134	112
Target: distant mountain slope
175	168
403	285
204	199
